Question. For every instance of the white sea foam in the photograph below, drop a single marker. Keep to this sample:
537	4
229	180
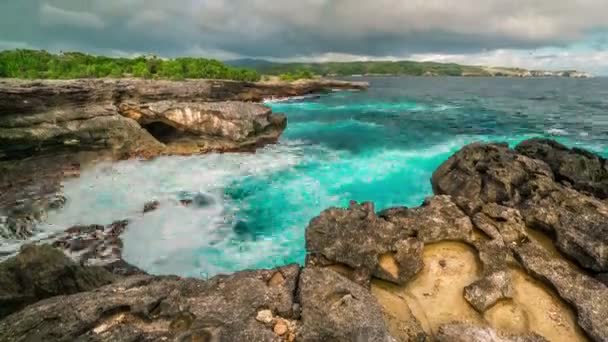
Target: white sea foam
557	132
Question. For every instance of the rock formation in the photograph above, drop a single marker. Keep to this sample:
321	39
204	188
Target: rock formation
512	247
49	128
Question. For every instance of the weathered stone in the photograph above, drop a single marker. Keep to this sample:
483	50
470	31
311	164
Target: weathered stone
156	308
583	170
437	219
134	117
493	173
458	332
39	272
495	283
336	309
369	244
586	294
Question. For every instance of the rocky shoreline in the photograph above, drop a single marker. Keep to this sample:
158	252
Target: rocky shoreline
512	247
50	129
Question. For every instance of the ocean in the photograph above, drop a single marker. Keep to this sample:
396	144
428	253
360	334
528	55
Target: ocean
381	145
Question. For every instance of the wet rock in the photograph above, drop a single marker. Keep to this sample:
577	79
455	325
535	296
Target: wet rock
96	245
586	294
39	272
29	189
583	170
156	308
357	237
151	206
336	309
459	332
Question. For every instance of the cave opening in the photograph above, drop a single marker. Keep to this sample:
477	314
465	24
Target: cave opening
162	132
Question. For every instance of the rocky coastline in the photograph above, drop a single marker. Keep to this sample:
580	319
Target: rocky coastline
512	246
50	129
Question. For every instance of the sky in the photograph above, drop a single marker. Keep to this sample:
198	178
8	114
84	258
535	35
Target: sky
538	34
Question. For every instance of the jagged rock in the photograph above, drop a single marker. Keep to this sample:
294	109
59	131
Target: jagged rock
583	170
151	206
490	172
39	272
437	219
501	223
371	245
156	308
134	117
588	295
495	283
336	309
493	173
458	332
578	223
29	189
96	245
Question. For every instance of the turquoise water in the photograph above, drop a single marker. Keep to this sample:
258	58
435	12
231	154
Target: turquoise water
381	145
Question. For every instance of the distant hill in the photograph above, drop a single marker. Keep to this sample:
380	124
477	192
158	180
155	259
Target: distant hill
405	68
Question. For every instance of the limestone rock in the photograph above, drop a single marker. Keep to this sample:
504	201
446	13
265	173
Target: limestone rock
583	170
336	309
142	118
357	237
468	333
39	272
588	295
156	308
493	173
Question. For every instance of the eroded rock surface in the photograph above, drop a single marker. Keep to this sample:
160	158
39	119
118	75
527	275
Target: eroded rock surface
583	170
506	251
154	308
40	272
493	173
336	309
134	117
470	333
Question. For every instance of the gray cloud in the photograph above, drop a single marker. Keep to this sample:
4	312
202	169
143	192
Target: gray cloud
293	28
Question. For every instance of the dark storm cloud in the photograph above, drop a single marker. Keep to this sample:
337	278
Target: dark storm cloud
290	28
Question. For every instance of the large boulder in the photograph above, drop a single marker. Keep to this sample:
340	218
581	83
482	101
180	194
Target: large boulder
337	309
358	238
493	173
583	170
39	272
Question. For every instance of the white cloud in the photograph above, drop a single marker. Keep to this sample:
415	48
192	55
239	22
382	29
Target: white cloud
54	16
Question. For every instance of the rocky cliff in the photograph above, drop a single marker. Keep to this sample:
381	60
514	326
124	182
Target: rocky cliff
510	248
141	117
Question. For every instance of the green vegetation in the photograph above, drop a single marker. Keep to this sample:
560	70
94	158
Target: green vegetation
408	68
296	75
33	64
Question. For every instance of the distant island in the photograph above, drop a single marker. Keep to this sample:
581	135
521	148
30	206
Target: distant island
398	68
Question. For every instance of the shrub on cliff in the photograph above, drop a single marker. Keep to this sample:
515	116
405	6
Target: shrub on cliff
31	64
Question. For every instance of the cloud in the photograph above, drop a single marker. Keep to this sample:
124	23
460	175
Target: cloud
292	29
53	16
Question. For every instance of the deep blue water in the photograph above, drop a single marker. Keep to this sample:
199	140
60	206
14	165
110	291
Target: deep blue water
380	145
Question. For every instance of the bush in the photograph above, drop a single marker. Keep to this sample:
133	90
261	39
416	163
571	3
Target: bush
297	75
33	64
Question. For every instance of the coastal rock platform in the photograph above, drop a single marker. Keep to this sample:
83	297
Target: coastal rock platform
512	247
